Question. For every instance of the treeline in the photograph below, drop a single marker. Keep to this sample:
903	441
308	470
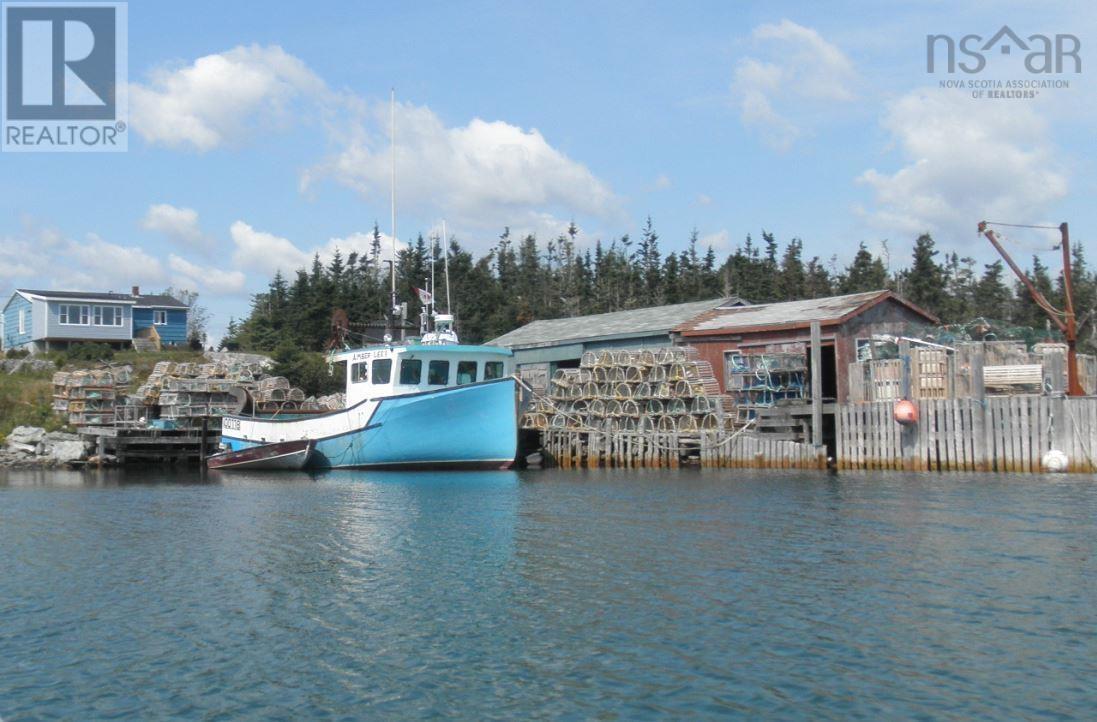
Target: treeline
519	281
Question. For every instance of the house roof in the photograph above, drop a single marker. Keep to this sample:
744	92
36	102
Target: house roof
600	326
792	314
141	301
146	300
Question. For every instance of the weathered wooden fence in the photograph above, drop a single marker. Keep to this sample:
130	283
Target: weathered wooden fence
579	449
997	434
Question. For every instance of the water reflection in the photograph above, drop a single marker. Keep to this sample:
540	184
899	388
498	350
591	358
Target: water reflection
580	594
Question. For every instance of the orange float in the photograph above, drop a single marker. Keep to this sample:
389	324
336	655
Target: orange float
905	412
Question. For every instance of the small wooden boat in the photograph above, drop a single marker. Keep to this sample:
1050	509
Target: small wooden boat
284	455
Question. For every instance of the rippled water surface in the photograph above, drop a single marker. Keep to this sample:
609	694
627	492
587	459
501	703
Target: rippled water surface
547	594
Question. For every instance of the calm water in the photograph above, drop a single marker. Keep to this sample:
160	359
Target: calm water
547	594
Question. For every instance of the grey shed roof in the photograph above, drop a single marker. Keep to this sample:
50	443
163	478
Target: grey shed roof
143	300
600	326
792	314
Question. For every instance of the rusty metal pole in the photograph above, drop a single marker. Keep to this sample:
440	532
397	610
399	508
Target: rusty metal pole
1074	385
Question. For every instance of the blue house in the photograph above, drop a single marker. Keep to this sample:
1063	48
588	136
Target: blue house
48	320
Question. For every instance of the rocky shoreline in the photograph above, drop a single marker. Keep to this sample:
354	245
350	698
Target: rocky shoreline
34	447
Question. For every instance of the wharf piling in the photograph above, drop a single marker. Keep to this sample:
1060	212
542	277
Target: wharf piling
153	445
624	450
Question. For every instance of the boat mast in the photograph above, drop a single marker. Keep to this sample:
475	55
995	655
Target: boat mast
445	257
392	199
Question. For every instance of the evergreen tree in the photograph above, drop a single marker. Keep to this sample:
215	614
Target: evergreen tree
992	297
791	284
864	273
925	281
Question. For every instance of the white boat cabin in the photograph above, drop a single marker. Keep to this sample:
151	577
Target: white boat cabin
382	371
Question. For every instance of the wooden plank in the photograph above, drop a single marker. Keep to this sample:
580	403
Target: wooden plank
1022	431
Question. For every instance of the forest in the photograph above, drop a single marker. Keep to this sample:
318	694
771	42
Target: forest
521	280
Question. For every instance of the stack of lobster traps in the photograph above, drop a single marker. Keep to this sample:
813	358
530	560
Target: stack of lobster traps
274	394
656	390
185	393
88	397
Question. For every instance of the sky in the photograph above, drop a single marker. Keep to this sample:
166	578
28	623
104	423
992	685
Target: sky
259	136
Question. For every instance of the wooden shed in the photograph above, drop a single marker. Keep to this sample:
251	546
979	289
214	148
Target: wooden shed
731	338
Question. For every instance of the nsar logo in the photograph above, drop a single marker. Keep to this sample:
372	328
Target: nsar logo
64	77
1043	54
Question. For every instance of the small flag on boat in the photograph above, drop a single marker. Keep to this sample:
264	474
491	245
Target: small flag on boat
425	297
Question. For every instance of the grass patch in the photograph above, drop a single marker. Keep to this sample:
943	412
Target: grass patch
26	399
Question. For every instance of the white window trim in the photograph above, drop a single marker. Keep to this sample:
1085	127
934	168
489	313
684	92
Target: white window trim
159	314
22	321
98	313
84	312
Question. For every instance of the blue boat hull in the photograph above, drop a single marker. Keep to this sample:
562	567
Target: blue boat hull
465	427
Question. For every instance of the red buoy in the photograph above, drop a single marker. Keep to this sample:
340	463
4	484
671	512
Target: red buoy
905	412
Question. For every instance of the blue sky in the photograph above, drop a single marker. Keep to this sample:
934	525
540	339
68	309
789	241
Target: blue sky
258	135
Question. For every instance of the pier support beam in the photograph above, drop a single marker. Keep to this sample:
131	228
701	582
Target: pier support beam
908	434
817	387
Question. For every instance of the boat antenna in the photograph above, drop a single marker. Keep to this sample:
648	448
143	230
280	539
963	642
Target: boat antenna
433	247
392	191
445	256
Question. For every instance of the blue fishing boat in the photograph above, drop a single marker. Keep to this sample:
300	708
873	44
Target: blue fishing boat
430	403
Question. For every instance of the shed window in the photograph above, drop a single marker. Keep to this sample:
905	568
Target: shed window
359	373
438	373
71	315
382	371
411	370
493	370
466	372
22	320
160	318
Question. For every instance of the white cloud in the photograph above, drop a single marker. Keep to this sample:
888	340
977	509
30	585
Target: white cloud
704	200
266	252
480	175
484	172
180	225
220	98
662	182
802	75
361	243
964	163
205	278
719	240
262	251
94	264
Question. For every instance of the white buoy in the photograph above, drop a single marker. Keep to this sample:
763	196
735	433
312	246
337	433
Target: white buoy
1055	461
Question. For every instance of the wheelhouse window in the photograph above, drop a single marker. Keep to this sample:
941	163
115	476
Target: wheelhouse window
411	371
359	373
466	372
107	316
438	373
493	370
382	371
159	318
72	315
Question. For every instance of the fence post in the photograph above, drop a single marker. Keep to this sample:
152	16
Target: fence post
1054	385
980	450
